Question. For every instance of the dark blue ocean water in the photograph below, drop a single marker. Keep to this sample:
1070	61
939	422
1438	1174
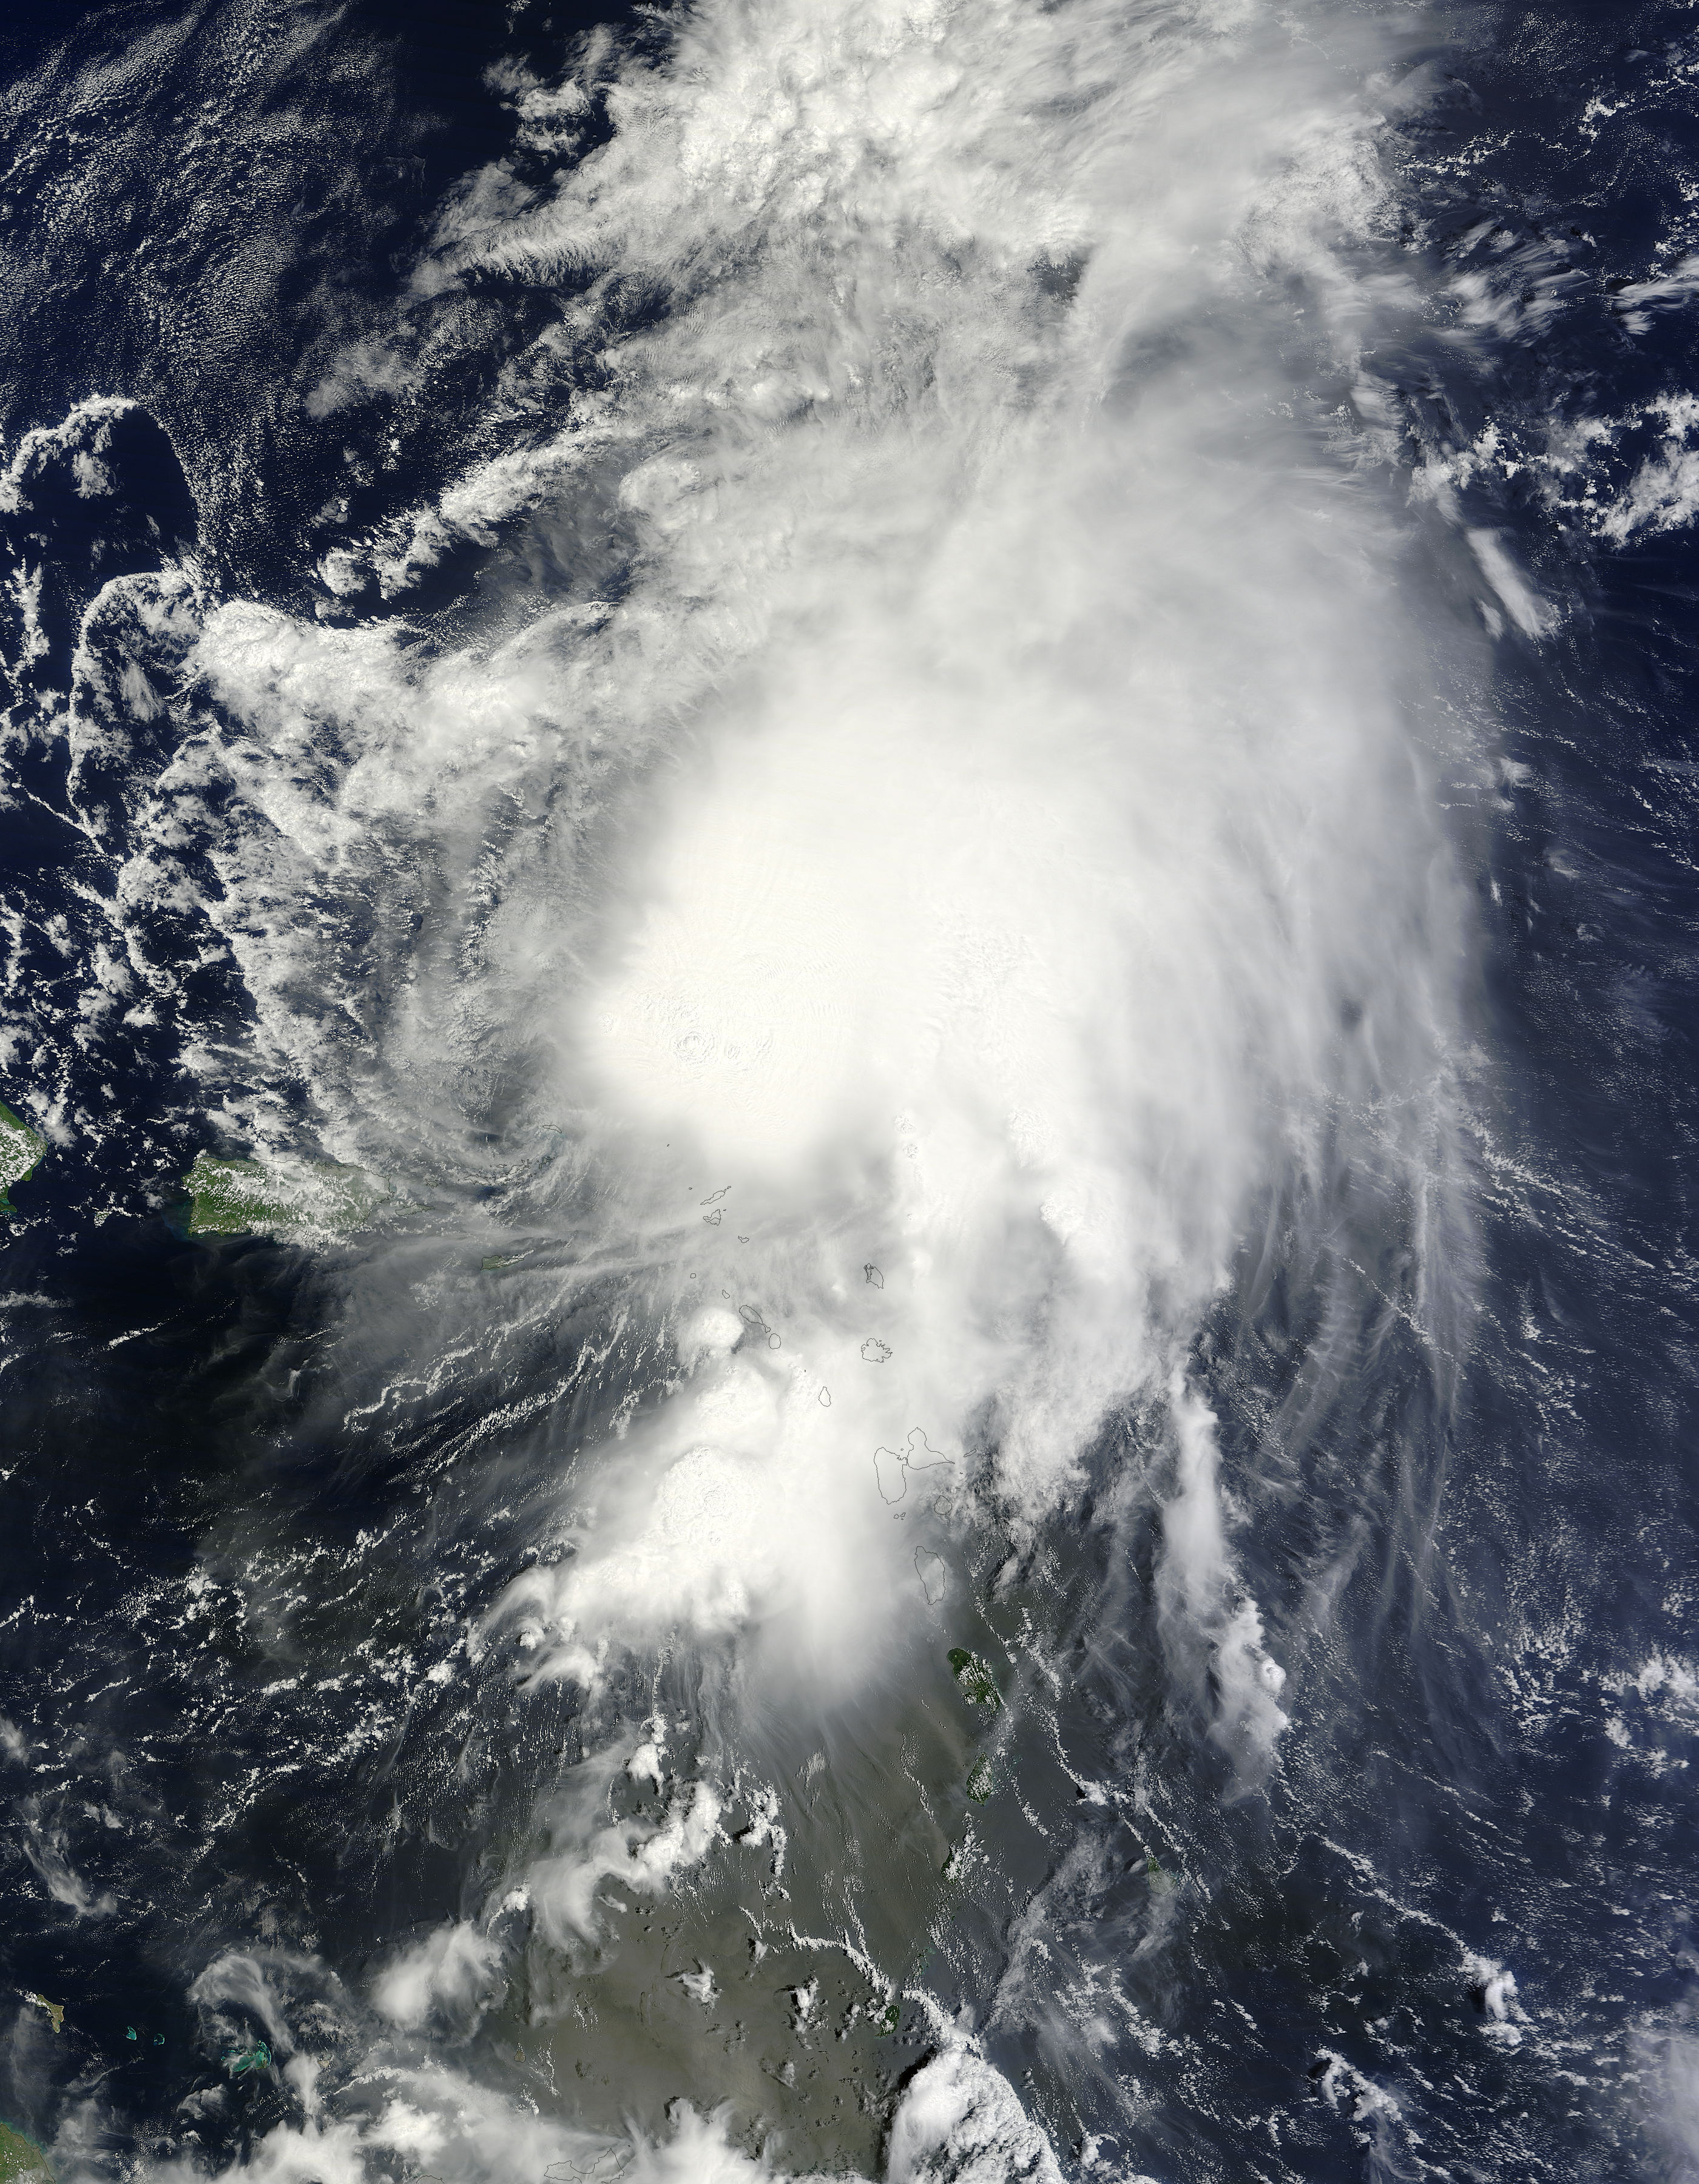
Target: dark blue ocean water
229	1560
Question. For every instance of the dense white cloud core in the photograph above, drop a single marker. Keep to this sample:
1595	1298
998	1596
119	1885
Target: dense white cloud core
979	852
984	840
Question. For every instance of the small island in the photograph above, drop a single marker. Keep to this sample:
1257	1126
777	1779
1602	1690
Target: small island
21	1152
247	1197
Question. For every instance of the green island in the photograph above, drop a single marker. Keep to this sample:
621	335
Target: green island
21	2160
21	1152
240	1197
974	1679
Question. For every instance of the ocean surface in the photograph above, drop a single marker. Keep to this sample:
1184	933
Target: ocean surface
847	889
